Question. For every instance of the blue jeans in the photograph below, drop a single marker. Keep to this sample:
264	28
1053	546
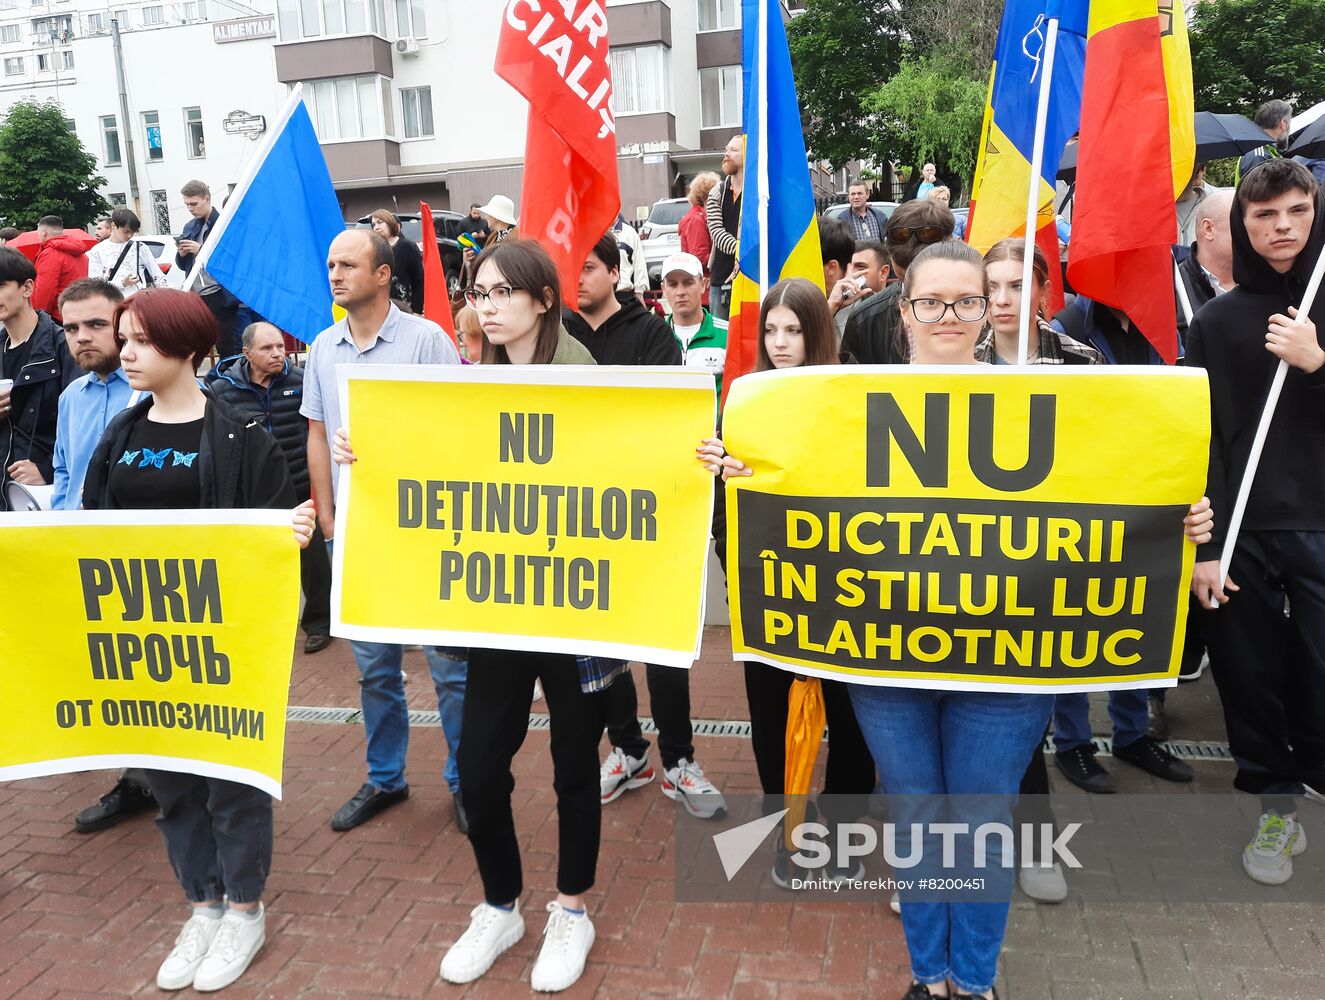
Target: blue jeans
385	717
1127	709
951	743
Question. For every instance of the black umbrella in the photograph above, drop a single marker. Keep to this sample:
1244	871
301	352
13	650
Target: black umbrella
1217	136
1310	142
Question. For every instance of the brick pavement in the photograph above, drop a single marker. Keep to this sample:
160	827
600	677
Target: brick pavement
368	914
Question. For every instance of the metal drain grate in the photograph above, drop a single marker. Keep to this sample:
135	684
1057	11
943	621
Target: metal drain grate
1182	749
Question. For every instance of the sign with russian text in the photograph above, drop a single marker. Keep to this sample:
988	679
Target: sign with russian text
970	528
154	639
553	508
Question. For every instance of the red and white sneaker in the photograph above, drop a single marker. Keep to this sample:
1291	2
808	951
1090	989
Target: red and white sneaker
622	772
687	783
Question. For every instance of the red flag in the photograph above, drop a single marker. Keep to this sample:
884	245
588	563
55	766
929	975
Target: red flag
436	300
557	58
1120	250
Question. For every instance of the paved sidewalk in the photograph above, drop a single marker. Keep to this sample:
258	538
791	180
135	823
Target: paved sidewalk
368	914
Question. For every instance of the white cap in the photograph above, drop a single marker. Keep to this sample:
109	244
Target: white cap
500	208
686	262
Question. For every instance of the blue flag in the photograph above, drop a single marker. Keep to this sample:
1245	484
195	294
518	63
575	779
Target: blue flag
272	254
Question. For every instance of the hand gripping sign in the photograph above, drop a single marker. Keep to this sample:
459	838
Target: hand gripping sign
966	528
129	642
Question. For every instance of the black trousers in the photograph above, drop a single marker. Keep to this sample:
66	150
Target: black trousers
1193	644
315	578
498	695
669	696
849	774
1267	652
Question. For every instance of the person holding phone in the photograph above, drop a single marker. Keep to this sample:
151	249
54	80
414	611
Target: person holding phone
121	260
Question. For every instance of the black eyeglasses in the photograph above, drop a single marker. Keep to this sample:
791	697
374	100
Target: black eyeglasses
925	234
970	309
500	297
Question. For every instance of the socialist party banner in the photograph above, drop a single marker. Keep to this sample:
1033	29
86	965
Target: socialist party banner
554	508
157	639
969	529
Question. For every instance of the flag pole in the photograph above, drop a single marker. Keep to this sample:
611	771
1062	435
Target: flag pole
1263	429
1183	299
1033	195
761	143
274	130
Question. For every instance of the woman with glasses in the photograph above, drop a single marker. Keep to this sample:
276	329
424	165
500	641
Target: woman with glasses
930	743
517	299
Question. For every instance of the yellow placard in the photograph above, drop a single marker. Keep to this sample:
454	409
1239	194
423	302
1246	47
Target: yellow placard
543	508
127	642
966	528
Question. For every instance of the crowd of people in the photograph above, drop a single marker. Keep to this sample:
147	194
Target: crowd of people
101	366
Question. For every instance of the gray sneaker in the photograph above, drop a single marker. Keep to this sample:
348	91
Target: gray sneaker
1268	859
1043	883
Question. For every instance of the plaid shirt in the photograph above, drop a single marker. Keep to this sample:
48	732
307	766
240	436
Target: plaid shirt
1052	346
598	672
866	228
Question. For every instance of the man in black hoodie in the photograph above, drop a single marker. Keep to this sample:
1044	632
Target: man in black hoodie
1267	638
617	329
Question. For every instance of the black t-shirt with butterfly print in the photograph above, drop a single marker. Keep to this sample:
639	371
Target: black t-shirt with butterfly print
158	467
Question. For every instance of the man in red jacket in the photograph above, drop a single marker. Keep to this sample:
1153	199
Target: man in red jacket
60	262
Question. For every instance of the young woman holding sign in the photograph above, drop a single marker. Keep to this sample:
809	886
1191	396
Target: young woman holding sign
942	742
515	294
180	449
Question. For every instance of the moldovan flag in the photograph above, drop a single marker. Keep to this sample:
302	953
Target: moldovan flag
1182	97
1003	174
556	57
783	183
269	246
436	298
1120	245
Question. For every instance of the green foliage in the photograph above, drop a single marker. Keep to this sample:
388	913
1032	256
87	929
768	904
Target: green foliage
1246	52
841	50
930	111
44	169
1221	173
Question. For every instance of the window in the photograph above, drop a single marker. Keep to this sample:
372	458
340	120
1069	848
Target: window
161	211
43	62
121	17
719	96
197	146
96	24
8	4
154	15
416	109
10	33
118	198
314	18
639	80
410	19
718	15
350	107
55	29
14	66
67	59
195	10
110	140
152	129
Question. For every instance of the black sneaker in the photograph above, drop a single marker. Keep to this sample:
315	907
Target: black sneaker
368	801
125	800
1157	722
784	869
1080	767
918	991
1148	755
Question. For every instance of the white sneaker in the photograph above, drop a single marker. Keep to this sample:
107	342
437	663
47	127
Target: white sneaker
687	783
181	965
491	931
566	943
1043	883
237	940
1268	858
620	773
1298	833
895	903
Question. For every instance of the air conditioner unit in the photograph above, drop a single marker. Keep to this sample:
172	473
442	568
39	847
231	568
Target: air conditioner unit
407	46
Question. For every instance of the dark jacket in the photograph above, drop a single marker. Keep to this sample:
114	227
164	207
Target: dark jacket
1227	339
630	336
1197	286
29	430
60	262
193	230
276	405
408	271
873	335
1094	324
239	463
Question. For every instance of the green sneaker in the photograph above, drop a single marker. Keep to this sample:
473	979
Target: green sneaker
1268	858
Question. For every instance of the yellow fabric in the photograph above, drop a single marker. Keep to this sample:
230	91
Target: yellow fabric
1182	101
805	734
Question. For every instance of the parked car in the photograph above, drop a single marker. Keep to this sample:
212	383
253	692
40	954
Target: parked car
447	226
163	250
659	234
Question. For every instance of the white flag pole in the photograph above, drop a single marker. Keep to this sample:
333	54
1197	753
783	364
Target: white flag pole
1263	430
1183	299
274	130
1033	195
761	177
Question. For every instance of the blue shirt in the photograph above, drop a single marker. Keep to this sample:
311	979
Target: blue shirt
87	406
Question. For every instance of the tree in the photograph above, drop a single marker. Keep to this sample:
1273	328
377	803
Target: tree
1245	52
841	50
964	31
44	169
930	111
